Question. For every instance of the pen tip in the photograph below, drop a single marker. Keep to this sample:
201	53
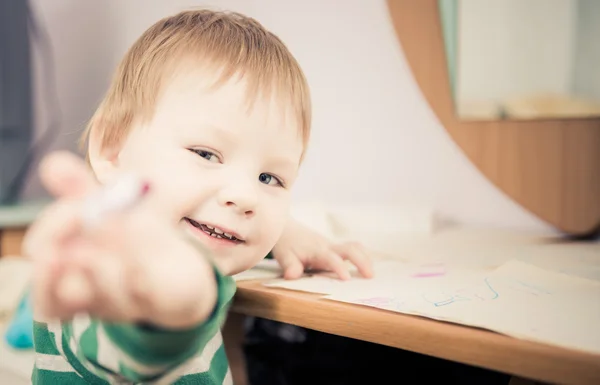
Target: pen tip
145	188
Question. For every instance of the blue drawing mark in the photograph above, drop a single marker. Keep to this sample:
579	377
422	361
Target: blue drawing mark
452	299
483	292
489	285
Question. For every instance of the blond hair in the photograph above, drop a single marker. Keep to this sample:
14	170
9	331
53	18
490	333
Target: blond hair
226	42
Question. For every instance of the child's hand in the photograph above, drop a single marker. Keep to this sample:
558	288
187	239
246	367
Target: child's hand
131	268
301	248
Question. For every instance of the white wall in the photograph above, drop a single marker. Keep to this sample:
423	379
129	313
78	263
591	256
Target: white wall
586	73
83	44
374	136
509	48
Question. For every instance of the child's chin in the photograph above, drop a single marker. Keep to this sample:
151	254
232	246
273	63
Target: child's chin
226	269
230	265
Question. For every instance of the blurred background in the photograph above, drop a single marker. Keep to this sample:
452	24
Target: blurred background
375	139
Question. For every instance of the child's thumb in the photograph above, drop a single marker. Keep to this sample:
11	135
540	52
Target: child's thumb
64	174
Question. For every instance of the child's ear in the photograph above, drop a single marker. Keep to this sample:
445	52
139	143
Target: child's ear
104	158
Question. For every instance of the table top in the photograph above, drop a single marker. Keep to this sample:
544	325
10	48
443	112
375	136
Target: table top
15	365
422	335
20	215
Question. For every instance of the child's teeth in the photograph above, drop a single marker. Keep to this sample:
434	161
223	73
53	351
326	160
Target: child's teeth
210	227
228	235
218	231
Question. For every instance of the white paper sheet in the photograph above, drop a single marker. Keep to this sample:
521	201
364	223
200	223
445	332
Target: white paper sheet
578	259
265	269
15	275
389	275
517	299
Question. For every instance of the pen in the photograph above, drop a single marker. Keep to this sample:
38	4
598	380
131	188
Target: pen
113	198
117	197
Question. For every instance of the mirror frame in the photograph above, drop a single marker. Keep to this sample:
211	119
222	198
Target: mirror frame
551	167
583	106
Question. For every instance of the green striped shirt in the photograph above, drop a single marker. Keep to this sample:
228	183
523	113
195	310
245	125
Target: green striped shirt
89	351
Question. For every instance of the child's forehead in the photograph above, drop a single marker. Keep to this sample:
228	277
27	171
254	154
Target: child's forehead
203	85
199	96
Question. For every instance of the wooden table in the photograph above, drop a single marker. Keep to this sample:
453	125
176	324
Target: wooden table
477	347
11	240
439	339
14	220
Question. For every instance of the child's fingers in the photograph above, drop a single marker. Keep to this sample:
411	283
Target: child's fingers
53	227
291	265
61	290
128	233
73	289
329	260
44	245
356	254
106	274
45	274
88	279
65	174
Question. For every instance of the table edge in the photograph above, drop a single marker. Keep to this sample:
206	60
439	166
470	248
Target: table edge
487	349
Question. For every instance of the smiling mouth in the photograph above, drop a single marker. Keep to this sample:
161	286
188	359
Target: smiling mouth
214	232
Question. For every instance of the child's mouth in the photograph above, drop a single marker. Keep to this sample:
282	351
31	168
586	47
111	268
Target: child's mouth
214	232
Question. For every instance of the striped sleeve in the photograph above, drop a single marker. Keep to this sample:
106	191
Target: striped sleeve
127	352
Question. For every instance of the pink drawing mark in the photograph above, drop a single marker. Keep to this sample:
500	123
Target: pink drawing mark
431	270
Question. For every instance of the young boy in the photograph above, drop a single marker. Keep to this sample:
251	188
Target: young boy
213	112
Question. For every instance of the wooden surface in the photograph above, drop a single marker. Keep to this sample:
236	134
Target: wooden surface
447	341
550	167
444	340
14	219
10	241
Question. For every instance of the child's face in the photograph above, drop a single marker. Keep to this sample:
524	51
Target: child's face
217	167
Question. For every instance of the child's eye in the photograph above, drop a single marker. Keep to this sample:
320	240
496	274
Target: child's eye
269	179
206	155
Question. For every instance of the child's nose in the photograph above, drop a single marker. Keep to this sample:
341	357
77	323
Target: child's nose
241	197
